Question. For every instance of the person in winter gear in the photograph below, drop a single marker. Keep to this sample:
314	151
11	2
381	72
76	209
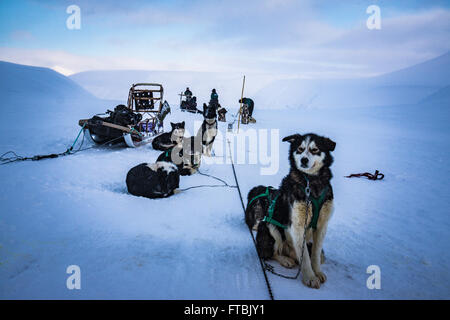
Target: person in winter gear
188	94
250	105
214	99
214	95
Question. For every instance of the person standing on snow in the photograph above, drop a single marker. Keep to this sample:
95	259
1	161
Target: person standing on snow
214	99
250	106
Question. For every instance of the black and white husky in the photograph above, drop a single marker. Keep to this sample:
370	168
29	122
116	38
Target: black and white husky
168	140
208	131
153	180
281	238
186	156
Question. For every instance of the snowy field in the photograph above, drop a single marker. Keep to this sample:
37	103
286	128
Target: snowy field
195	245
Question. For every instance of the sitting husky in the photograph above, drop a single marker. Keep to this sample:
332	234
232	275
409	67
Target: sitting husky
168	140
208	131
153	180
279	215
186	156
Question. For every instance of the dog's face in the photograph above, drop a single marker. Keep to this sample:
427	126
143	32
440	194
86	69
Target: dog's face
309	153
192	152
177	131
169	178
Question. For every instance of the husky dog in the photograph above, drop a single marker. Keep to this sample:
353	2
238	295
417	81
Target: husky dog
153	180
280	236
186	156
208	131
168	140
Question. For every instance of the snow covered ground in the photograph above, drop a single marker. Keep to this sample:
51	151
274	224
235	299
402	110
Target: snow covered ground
195	245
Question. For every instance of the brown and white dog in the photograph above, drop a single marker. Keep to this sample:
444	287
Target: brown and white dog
310	162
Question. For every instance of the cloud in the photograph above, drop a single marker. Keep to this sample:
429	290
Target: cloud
402	41
279	37
21	35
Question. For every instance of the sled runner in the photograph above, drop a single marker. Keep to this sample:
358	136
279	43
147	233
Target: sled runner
135	124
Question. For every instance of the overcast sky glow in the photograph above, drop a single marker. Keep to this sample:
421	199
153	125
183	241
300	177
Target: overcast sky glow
302	38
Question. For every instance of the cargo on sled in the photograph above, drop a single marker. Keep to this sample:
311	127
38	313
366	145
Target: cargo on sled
136	123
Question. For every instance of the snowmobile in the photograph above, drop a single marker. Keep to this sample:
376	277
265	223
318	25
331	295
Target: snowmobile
135	124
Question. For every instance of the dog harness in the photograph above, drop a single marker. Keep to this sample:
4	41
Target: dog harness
317	204
272	203
204	128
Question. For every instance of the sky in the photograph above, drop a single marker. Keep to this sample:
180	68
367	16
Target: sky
283	38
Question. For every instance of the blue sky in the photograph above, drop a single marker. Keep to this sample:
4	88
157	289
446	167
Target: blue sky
303	38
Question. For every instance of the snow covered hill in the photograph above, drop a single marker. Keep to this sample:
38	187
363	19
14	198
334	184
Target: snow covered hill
195	245
406	86
26	85
39	101
431	73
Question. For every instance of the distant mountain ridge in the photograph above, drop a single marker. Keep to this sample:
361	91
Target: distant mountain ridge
434	72
406	86
16	78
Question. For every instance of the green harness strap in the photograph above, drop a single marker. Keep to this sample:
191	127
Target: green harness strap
265	194
271	209
317	204
269	218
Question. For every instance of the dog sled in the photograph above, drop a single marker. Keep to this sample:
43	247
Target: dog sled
136	123
189	104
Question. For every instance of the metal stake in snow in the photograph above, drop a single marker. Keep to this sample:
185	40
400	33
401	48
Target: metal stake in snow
240	105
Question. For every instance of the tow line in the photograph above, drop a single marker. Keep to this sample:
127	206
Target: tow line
269	288
13	157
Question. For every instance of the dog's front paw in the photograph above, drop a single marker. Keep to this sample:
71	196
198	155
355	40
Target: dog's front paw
312	282
322	277
286	261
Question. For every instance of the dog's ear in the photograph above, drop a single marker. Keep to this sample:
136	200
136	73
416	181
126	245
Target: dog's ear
328	144
172	125
182	125
292	138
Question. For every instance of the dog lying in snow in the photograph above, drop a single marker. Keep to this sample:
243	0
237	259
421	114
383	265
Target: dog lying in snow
186	156
168	140
280	236
153	180
208	131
